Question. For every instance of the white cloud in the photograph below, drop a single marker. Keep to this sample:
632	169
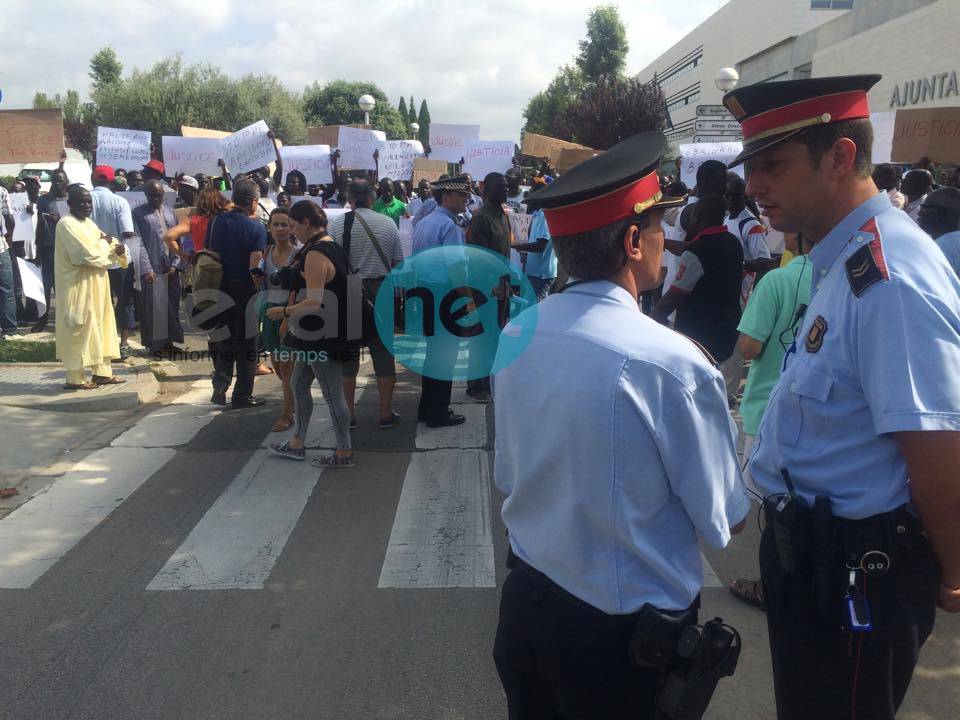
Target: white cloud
474	62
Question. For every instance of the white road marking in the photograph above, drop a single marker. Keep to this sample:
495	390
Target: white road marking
238	540
471	434
320	432
173	424
44	529
442	534
710	577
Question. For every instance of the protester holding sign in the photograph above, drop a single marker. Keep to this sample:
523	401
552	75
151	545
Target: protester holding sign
388	204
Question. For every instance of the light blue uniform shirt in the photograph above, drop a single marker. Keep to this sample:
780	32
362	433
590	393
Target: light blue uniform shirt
541	264
111	213
438	229
950	245
864	367
609	480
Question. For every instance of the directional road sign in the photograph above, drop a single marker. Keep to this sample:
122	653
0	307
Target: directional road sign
713	126
717	138
711	110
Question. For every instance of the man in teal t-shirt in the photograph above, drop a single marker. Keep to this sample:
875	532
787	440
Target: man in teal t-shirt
387	204
766	331
766	328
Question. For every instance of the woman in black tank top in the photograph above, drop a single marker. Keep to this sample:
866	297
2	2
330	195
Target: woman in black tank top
318	333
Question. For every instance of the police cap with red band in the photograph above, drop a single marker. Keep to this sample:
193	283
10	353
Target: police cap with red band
771	113
616	185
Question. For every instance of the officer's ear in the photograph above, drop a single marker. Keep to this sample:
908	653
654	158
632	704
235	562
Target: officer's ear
631	242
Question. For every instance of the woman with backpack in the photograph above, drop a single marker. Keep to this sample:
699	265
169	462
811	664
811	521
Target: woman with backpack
319	349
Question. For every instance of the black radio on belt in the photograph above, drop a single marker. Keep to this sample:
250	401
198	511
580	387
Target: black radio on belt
789	516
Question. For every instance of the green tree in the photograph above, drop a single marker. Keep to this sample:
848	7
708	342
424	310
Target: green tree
412	114
614	108
402	107
546	110
105	68
423	119
336	104
169	95
604	51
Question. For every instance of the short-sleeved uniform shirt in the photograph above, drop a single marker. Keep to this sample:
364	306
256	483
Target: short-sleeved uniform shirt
235	236
877	353
607	497
709	274
769	318
949	244
393	209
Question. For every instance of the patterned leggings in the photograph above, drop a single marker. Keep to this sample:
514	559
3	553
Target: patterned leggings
329	375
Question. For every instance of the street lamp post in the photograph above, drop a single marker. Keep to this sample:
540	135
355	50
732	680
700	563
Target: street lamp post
366	103
726	79
415	127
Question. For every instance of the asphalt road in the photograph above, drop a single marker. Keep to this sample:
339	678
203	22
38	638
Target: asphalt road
181	573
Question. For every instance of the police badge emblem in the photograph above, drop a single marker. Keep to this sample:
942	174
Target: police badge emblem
815	336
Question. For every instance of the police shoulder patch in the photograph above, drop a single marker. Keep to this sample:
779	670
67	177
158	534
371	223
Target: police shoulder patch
863	270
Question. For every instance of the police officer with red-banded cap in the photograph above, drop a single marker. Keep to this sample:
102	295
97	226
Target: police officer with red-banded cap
609	481
859	449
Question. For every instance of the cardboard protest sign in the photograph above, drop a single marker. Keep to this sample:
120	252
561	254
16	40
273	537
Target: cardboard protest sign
397	159
191	155
449	142
312	160
486	156
30	135
541	146
425	169
127	149
930	132
693	155
569	157
197	132
323	135
136	198
357	145
248	149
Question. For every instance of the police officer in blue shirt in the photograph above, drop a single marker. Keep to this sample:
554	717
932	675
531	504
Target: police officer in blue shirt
859	448
609	480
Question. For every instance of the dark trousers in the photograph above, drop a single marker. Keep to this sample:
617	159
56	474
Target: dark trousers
561	660
239	353
122	289
45	255
434	399
819	669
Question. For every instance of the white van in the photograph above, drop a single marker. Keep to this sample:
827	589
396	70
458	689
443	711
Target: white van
77	168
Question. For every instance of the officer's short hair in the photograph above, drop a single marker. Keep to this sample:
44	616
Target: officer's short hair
596	254
821	138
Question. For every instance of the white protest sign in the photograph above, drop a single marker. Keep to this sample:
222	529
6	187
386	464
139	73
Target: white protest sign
487	156
397	158
25	230
312	160
406	237
127	149
191	155
315	199
448	142
32	280
356	146
136	198
520	226
883	124
248	149
695	154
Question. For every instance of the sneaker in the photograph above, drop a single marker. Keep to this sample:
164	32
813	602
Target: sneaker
333	461
390	422
284	450
247	403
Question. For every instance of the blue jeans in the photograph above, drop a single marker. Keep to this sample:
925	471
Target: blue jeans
8	297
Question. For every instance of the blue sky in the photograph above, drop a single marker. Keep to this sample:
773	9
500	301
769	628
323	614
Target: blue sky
475	62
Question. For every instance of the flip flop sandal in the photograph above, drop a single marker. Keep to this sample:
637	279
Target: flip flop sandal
333	461
282	424
749	592
264	370
114	380
85	386
284	450
392	422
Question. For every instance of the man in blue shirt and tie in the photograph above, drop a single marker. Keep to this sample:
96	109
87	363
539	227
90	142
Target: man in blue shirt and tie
858	450
638	456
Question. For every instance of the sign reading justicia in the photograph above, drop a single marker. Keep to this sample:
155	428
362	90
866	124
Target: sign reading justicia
934	87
